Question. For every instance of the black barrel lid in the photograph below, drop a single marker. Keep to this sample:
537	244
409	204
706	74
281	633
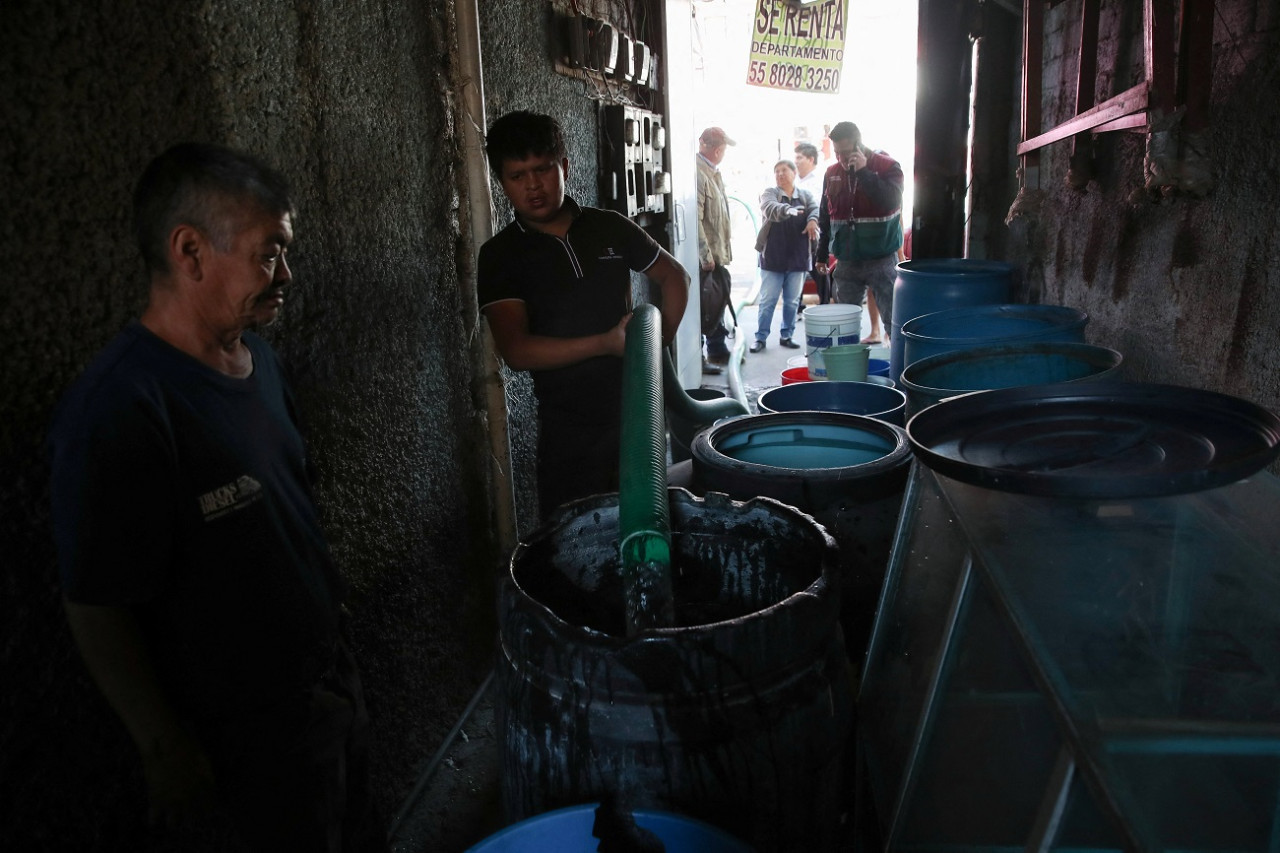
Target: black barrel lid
1096	440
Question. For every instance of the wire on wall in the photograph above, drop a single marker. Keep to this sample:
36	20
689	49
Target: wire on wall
611	47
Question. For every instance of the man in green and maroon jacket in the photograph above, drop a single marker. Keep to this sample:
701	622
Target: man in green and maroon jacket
861	220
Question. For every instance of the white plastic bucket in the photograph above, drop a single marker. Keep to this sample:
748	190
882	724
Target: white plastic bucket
829	326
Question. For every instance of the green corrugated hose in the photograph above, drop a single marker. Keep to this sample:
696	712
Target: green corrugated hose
644	518
698	412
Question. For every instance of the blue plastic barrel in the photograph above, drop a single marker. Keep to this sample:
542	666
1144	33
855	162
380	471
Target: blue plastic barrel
568	830
882	402
1014	365
989	326
847	471
928	286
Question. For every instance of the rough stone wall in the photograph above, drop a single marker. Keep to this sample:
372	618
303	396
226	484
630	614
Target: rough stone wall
1183	286
353	102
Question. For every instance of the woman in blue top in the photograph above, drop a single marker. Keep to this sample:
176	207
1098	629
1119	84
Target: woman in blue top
791	217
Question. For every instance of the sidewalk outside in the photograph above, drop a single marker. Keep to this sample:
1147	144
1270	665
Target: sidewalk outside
762	371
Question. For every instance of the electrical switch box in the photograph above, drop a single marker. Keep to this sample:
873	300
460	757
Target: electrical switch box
636	180
624	68
604	46
604	52
573	40
641	57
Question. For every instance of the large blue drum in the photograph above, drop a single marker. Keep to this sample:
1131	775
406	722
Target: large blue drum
846	471
924	287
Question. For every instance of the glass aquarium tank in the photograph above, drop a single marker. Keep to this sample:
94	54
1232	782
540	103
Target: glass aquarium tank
1078	640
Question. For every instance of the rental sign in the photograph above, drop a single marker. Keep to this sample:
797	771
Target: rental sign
798	46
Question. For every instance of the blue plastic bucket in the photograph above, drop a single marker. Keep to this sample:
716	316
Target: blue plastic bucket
986	368
989	326
871	399
569	831
929	286
877	367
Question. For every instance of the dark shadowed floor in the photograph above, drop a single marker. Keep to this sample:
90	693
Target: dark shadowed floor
457	805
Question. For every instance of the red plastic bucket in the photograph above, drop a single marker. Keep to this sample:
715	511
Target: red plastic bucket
795	374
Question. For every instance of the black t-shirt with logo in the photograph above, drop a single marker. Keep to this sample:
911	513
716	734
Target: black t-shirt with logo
183	494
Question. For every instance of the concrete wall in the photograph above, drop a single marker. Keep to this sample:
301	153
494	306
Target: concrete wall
354	102
1185	287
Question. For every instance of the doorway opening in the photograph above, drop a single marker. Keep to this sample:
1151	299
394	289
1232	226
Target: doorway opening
877	93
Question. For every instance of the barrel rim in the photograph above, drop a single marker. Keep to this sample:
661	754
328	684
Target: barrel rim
705	451
825	584
977	353
1077	319
763	400
955	266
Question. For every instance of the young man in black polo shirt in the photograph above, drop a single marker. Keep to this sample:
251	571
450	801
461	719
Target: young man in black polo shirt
555	285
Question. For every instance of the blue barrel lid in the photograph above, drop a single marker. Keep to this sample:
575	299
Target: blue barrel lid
1111	440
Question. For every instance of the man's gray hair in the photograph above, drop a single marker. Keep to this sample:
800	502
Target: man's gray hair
208	187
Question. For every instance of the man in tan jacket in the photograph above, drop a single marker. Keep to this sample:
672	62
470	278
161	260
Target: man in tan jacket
714	250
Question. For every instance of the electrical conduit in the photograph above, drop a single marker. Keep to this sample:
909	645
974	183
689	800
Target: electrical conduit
477	220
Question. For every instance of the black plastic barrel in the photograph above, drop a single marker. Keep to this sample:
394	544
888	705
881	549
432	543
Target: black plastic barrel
925	286
739	716
847	471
